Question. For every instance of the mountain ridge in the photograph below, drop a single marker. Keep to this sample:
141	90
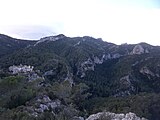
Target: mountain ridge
73	72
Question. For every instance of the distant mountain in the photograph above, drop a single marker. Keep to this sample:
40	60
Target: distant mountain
96	70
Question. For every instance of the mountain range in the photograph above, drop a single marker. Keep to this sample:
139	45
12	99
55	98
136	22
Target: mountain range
70	78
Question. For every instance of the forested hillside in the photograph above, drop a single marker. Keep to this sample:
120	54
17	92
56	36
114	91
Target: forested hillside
64	78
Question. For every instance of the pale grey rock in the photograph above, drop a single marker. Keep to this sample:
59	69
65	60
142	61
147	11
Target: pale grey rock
103	57
85	66
97	60
50	39
35	114
83	74
126	87
50	72
145	70
42	104
157	75
78	118
69	78
42	108
134	64
20	69
111	56
54	104
125	80
117	55
33	76
108	57
146	51
90	63
78	43
46	99
138	49
113	116
147	58
26	71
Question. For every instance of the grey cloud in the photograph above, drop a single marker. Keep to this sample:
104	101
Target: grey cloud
31	32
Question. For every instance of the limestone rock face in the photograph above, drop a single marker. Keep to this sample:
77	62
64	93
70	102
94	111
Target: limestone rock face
20	69
113	116
146	70
43	103
138	49
50	38
78	118
91	62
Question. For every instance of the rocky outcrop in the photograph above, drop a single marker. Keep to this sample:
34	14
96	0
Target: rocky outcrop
44	103
26	71
78	118
125	86
78	43
41	104
138	49
69	78
50	38
147	71
20	69
85	66
125	80
93	61
97	60
33	76
113	116
50	72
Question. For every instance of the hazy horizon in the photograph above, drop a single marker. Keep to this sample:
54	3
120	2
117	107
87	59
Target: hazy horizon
116	21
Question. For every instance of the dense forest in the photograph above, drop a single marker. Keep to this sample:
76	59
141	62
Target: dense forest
63	78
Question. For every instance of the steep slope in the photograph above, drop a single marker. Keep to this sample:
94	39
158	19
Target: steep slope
64	57
127	75
71	72
58	49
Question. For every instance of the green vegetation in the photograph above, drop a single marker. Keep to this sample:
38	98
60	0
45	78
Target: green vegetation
117	85
144	105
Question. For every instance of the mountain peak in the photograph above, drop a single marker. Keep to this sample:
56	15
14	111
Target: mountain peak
51	38
60	35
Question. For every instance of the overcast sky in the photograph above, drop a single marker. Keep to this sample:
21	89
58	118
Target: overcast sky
117	21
